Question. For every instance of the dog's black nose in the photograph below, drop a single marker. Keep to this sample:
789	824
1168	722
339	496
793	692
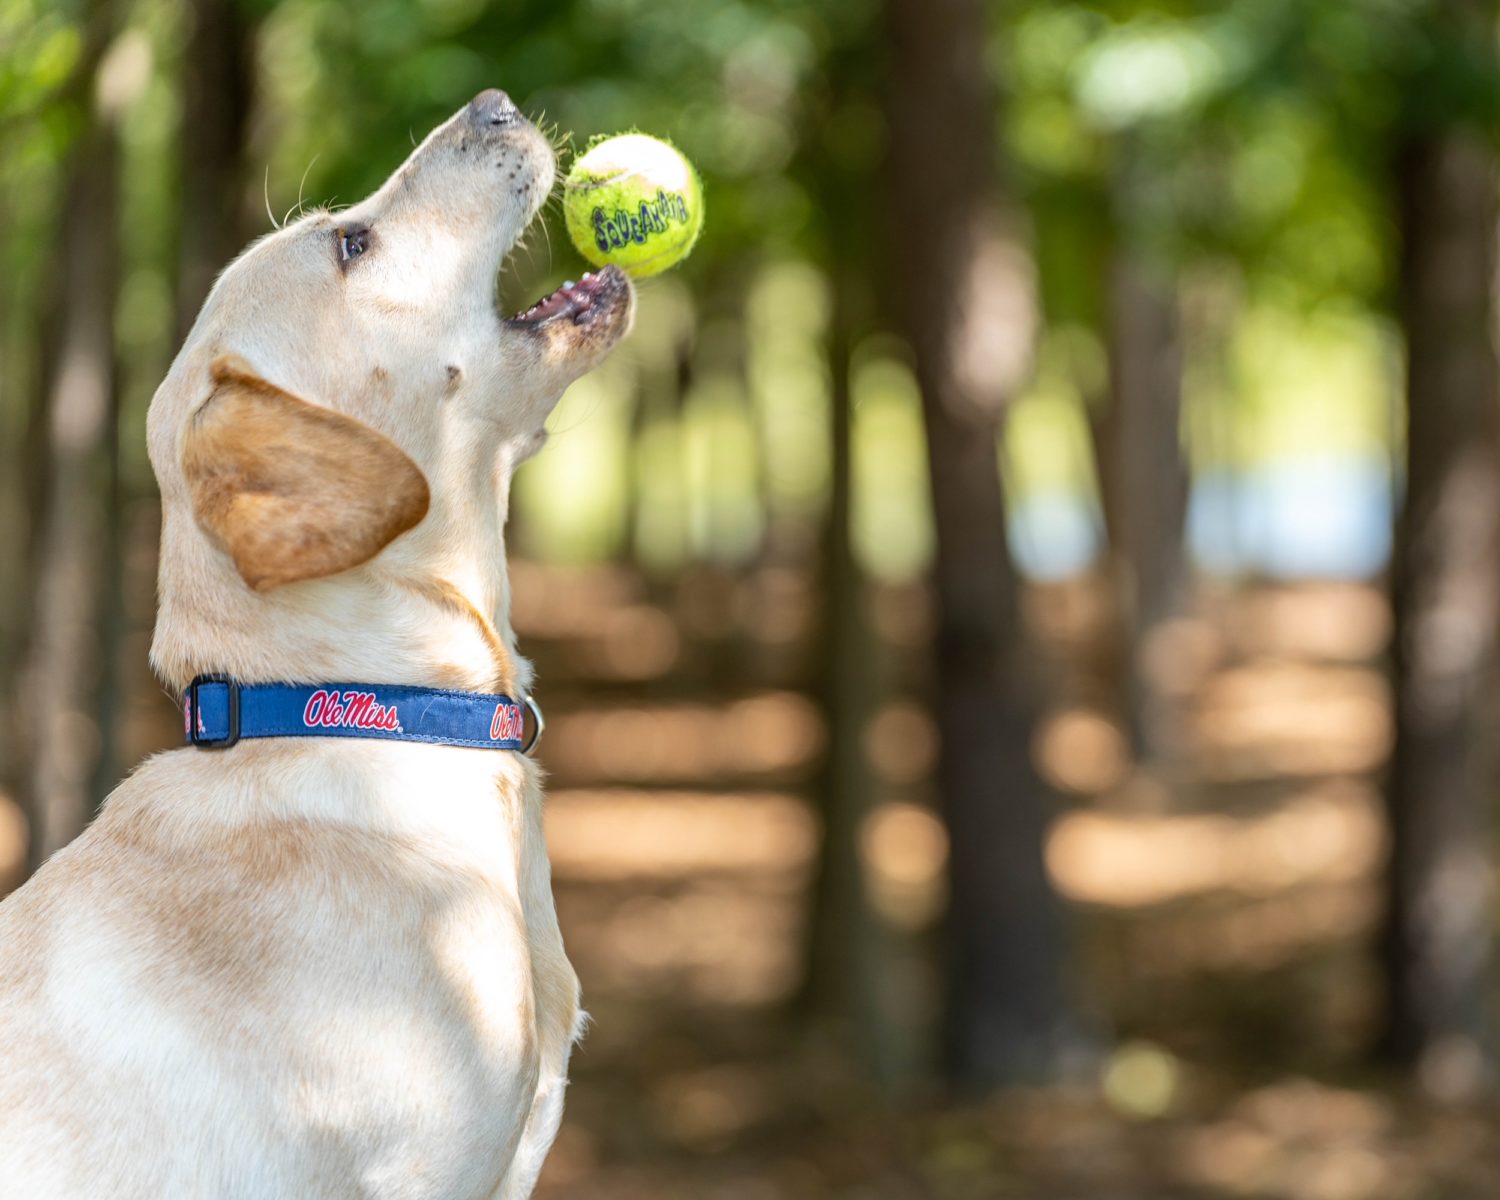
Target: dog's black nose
493	107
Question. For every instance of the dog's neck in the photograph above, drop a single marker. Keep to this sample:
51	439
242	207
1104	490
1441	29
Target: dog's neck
399	619
369	630
509	672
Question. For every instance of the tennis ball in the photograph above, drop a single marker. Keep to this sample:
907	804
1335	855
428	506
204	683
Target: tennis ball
634	201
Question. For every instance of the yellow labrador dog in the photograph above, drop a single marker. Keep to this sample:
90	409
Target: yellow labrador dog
323	961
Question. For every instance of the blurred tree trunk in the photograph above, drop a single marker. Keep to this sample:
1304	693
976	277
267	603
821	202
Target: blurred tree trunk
58	684
843	983
1445	580
849	947
24	478
956	286
1143	478
217	87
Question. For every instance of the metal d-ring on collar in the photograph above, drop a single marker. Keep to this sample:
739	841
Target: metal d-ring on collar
539	723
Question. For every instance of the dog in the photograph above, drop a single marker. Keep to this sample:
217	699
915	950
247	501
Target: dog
328	965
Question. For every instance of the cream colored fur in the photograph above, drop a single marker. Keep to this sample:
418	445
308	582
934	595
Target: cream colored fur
320	967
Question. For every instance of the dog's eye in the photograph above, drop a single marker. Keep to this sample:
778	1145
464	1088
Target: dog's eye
352	243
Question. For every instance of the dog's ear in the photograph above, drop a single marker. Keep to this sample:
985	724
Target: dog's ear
293	491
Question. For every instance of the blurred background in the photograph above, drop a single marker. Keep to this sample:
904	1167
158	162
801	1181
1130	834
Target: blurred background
1018	618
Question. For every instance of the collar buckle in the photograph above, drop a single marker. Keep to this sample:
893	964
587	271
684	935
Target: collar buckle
232	688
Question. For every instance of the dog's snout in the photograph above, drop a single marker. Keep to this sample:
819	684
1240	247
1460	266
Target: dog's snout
492	107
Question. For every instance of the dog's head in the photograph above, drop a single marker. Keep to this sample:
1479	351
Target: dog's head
335	439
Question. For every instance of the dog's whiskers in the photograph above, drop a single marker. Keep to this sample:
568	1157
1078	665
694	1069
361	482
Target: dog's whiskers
265	191
546	227
302	182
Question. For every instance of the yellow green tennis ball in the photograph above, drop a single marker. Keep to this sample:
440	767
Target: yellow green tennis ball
634	201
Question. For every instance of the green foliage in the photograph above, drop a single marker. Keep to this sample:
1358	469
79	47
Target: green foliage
1246	142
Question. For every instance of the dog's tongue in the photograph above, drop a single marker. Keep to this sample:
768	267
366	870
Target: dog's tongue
572	298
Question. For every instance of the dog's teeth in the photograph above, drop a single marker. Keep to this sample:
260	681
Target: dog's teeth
568	286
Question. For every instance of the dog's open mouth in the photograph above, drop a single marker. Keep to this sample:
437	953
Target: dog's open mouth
580	303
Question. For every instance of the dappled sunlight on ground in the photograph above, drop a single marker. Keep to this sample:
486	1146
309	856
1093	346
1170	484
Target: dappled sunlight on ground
1307	1141
1325	834
613	834
1081	750
713	942
904	850
1223	903
1336	622
695	894
766	735
901	743
1291	1140
1251	934
1276	718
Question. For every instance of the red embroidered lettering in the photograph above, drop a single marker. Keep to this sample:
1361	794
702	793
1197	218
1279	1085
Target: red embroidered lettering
505	724
352	710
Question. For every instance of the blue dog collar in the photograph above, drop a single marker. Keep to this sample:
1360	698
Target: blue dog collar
217	711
